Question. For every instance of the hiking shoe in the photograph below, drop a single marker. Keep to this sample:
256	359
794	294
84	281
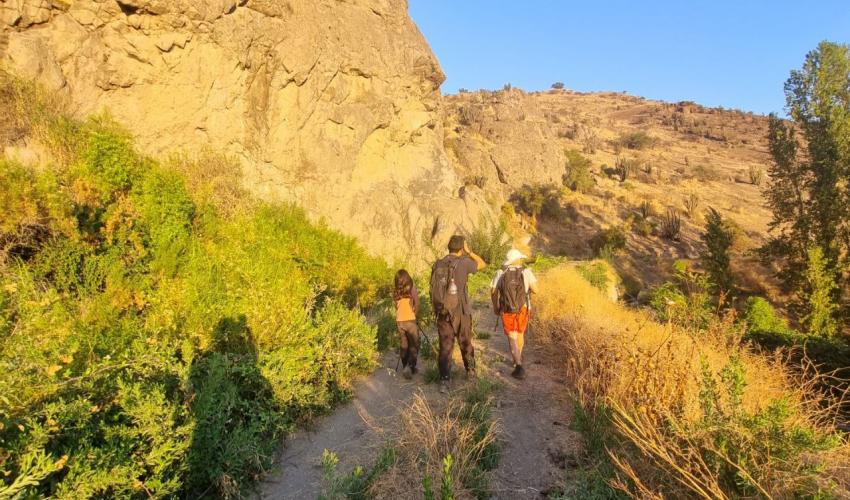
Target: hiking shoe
414	370
518	373
444	387
407	372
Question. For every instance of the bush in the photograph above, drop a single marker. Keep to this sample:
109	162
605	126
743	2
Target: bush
558	85
609	242
578	176
636	140
490	240
537	199
161	347
760	317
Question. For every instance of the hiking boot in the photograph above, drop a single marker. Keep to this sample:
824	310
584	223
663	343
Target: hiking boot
518	373
414	370
444	386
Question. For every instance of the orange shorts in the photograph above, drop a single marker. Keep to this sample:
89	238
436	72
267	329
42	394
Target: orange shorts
515	322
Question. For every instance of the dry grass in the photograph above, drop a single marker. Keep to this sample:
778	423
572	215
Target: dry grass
428	433
653	380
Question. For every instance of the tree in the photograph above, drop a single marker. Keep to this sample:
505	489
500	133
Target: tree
820	286
718	238
809	188
558	85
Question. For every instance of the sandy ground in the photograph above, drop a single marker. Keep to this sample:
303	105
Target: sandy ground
533	415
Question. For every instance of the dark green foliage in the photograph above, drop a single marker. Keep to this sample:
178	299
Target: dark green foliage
718	236
578	176
536	200
636	140
807	189
609	242
159	348
558	85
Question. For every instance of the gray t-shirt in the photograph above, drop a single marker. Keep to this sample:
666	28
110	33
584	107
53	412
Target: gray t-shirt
464	267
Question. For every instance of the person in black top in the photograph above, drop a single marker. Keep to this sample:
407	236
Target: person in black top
451	326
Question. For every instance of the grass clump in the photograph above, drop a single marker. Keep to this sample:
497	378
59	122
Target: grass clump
445	451
685	411
155	338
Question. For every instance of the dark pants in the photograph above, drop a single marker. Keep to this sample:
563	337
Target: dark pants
448	329
408	332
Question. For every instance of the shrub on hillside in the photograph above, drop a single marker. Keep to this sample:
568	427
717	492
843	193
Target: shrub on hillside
534	200
578	176
636	140
490	240
160	348
609	242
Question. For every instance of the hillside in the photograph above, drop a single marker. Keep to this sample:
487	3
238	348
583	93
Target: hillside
681	156
331	105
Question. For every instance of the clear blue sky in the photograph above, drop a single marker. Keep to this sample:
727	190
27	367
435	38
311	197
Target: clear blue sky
719	53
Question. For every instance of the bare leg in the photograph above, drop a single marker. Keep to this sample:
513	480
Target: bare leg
515	341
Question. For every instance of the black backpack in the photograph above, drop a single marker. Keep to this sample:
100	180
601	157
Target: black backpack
442	280
511	291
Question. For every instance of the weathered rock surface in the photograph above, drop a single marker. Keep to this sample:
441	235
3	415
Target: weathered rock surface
331	104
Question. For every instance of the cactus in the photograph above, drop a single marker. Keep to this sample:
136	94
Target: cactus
692	204
671	225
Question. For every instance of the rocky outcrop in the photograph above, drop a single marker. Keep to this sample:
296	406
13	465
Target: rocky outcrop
331	104
503	137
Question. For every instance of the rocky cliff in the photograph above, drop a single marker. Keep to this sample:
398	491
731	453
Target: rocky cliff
331	104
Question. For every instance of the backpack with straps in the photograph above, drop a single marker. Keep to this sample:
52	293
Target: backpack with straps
445	297
512	296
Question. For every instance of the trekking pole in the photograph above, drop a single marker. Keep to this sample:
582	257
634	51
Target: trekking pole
427	340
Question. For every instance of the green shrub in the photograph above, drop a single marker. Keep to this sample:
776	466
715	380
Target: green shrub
760	317
490	240
596	273
578	176
636	140
537	199
609	242
160	347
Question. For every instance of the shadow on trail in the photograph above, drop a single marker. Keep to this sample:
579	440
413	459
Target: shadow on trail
236	418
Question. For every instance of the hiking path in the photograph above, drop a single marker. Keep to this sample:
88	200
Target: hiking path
533	416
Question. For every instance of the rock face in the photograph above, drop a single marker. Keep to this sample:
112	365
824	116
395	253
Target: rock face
331	104
504	137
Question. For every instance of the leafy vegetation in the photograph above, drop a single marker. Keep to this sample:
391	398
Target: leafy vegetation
536	200
609	242
578	176
636	140
686	410
811	208
718	238
152	341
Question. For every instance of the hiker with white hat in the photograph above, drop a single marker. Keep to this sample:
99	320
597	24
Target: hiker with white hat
511	291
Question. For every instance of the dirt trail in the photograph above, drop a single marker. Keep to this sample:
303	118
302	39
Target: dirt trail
533	415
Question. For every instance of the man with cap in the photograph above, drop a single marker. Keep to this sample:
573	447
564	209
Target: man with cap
511	291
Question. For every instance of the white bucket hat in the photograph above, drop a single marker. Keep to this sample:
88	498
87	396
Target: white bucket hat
513	256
